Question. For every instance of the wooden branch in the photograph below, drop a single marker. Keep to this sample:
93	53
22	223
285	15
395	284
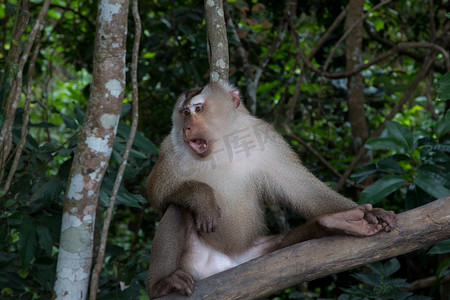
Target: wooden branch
12	102
25	118
252	72
417	228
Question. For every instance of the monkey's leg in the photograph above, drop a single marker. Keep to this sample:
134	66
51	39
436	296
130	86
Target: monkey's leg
348	222
164	274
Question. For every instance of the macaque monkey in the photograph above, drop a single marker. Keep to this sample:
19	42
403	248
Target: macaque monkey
215	170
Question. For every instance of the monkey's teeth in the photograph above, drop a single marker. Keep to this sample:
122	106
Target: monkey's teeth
199	145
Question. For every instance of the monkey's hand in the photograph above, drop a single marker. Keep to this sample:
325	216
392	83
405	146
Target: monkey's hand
179	281
387	219
207	216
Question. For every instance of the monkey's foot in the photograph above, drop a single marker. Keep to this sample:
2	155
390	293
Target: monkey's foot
352	222
387	218
180	281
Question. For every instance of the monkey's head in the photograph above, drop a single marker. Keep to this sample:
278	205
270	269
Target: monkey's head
201	116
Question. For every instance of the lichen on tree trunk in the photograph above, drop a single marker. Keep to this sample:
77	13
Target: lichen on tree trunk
93	151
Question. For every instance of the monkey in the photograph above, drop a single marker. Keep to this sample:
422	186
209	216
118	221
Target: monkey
216	169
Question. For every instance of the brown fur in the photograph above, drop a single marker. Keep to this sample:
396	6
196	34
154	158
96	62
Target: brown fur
212	200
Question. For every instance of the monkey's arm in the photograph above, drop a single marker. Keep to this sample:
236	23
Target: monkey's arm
165	186
310	197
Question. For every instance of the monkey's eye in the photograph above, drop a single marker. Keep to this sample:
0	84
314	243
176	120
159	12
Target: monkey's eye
198	109
186	112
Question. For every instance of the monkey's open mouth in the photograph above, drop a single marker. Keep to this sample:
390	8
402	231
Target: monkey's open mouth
199	146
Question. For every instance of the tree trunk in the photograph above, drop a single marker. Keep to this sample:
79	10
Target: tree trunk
353	50
217	41
93	151
265	275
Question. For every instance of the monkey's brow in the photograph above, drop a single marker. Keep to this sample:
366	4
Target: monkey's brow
191	94
193	104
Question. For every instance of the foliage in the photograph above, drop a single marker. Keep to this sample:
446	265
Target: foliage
411	160
443	87
30	221
380	285
417	164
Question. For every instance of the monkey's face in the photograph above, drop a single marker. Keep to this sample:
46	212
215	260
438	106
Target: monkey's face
195	129
201	117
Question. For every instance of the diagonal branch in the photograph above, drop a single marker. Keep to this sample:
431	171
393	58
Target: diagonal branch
26	116
16	90
350	29
253	73
417	228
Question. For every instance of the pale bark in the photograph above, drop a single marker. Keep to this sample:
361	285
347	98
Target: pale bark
93	152
217	41
123	164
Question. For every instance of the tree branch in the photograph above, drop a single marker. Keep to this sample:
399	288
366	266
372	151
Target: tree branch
417	228
350	29
253	73
16	90
26	116
416	56
310	149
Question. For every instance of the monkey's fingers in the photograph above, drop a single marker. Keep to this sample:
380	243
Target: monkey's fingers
206	226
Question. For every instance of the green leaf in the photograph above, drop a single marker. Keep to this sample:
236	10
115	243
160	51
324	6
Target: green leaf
123	197
79	115
443	87
140	141
69	122
364	172
45	239
441	147
385	269
368	278
120	148
378	24
443	125
443	267
401	133
440	248
384	143
27	242
381	189
389	165
437	173
49	190
431	186
396	283
126	107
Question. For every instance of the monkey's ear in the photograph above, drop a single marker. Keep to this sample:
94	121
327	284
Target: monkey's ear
236	98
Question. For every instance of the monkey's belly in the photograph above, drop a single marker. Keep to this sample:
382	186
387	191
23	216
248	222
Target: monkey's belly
202	260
